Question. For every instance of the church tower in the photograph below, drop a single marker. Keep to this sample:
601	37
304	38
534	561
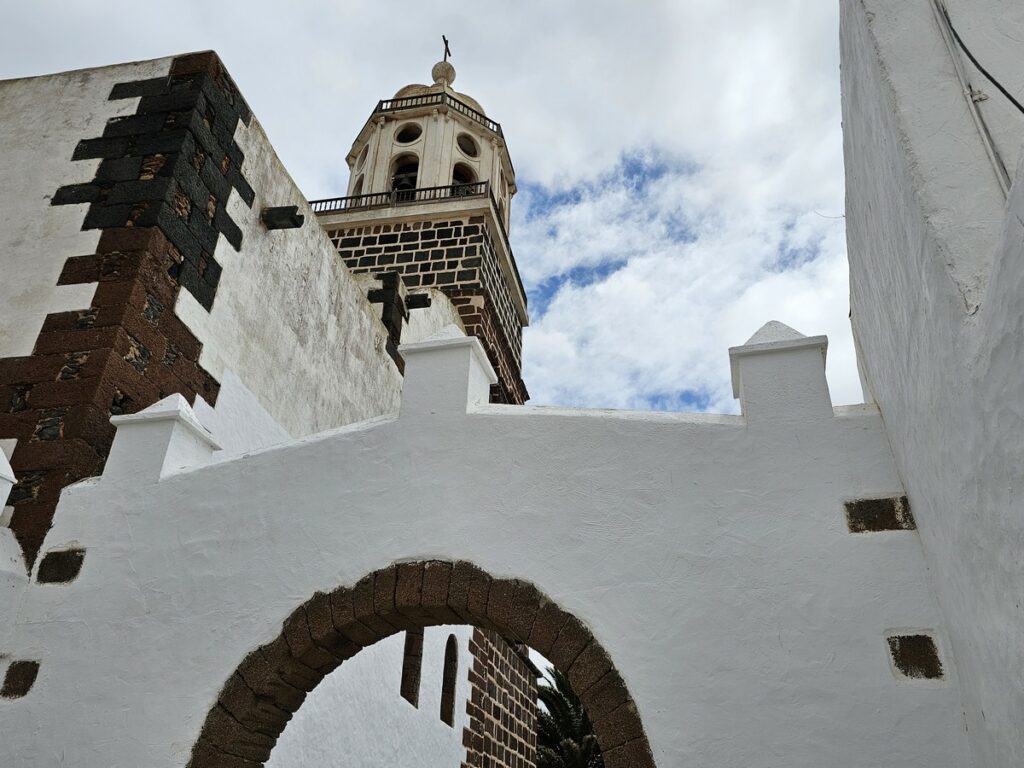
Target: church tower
428	200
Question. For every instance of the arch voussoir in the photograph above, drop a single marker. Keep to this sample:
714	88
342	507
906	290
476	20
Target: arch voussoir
634	754
271	683
254	712
437	579
343	616
302	647
591	665
205	755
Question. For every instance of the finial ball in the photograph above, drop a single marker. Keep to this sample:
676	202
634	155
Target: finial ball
443	73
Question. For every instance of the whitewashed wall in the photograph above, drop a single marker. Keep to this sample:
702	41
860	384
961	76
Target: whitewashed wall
284	302
941	355
42	119
708	554
357	716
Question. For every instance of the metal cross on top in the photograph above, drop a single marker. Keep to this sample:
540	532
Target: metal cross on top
447	50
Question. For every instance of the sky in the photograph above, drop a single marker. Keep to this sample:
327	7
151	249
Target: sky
679	162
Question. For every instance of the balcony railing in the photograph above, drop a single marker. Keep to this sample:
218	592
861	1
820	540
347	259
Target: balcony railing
400	197
436	100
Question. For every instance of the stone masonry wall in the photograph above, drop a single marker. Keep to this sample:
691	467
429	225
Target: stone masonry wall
159	197
458	256
502	706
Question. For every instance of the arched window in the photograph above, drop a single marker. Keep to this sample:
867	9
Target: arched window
412	662
451	672
358	188
462	176
362	157
404	177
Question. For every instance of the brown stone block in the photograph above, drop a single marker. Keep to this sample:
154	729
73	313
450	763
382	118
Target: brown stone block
437	576
606	695
30	369
81	269
363	607
468	592
196	63
265	682
60	457
206	755
571	641
131	239
620	725
590	666
256	713
547	625
499	604
324	633
409	589
343	615
634	754
232	737
303	649
526	601
178	334
384	583
74	340
282	663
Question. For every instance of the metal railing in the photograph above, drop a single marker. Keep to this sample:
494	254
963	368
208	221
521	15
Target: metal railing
421	195
400	197
435	100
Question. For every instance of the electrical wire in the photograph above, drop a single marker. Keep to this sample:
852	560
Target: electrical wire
977	64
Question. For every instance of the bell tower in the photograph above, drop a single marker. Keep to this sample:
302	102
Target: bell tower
430	189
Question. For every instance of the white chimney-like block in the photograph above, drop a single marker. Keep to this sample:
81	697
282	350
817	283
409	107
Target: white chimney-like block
163	439
445	376
779	375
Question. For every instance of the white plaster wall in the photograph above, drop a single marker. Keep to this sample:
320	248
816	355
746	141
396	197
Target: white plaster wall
919	195
357	716
708	554
957	189
42	119
993	31
286	302
428	322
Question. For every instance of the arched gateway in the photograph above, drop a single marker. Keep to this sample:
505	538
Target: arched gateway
700	572
270	684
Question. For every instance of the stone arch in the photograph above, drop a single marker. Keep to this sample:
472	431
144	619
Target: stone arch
271	683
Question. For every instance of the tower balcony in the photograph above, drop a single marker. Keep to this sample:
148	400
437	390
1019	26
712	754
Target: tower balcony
437	100
450	238
478	192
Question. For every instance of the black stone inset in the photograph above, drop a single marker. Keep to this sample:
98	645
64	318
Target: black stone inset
916	656
171	165
60	567
282	217
20	677
870	515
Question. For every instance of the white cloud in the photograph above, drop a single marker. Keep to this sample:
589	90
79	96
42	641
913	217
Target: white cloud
736	103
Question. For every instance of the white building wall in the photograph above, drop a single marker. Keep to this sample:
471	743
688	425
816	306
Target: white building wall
357	716
708	554
42	119
285	301
927	226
